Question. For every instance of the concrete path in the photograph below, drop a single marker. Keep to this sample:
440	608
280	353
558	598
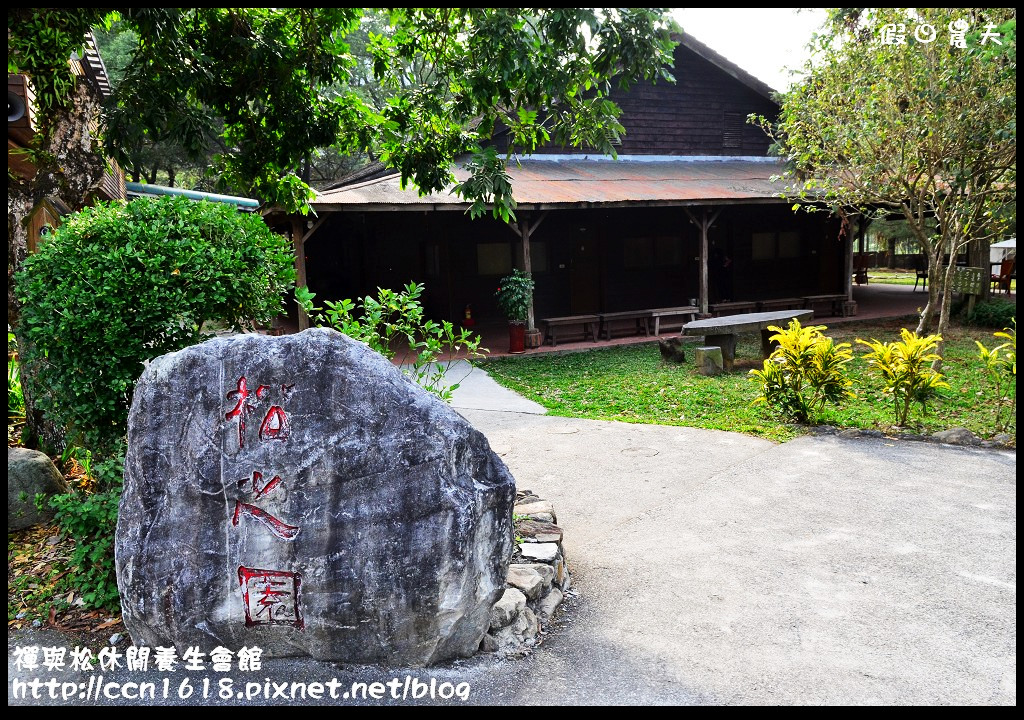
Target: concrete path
717	568
478	391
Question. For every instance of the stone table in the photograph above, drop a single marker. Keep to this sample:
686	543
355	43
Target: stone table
722	331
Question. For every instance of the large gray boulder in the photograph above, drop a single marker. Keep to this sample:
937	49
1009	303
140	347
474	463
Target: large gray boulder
301	495
30	472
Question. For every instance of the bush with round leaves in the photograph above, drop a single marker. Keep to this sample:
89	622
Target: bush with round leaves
119	284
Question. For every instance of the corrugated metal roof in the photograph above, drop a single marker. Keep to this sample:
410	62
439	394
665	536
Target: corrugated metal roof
541	181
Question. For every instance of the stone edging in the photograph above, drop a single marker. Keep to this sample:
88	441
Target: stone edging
538	579
953	436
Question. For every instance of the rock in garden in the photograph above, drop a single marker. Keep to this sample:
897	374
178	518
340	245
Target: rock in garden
549	604
30	472
301	495
538	531
672	349
957	436
525	579
709	360
544	552
536	509
507	608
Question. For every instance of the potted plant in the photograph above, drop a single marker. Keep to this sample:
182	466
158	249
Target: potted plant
514	295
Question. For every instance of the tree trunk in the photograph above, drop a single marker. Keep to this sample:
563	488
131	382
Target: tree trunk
891	260
935	284
978	256
69	165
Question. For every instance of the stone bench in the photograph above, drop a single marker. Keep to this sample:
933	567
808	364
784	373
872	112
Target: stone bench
585	324
661	316
636	319
722	331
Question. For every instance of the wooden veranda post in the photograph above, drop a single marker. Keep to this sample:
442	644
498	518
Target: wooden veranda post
704	224
299	247
299	237
524	229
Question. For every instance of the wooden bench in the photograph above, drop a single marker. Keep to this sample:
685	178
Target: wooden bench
835	303
793	303
722	331
732	308
637	318
587	324
683	315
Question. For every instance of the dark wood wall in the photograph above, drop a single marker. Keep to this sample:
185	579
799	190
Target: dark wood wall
594	260
703	113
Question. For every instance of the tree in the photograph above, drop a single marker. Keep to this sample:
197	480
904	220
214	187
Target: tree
259	79
895	119
119	284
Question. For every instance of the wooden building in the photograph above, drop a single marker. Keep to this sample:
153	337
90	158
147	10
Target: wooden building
22	122
688	211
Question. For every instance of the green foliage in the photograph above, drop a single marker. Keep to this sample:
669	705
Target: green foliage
806	371
922	130
278	84
514	294
905	371
993	313
395	322
1001	365
15	396
91	520
39	44
117	285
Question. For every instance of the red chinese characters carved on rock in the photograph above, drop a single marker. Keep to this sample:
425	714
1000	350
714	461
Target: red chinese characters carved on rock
270	597
275	422
280	529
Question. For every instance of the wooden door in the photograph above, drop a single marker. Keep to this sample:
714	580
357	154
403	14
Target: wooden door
585	273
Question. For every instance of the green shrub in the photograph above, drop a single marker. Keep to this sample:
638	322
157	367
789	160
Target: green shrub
395	321
514	294
904	368
15	395
117	285
804	372
993	313
91	520
1001	367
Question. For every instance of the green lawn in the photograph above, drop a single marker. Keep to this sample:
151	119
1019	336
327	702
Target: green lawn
885	276
631	384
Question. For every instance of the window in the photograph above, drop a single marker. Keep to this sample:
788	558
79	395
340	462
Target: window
762	246
772	245
494	259
732	131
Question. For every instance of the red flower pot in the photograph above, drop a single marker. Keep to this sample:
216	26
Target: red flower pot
517	337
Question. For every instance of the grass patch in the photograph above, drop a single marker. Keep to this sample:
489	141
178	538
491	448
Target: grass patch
886	276
631	384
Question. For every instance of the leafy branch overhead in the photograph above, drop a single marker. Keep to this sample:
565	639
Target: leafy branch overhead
279	84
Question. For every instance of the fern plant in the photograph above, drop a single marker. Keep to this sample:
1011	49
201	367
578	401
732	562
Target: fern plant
806	371
905	369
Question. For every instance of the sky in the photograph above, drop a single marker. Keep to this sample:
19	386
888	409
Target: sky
762	41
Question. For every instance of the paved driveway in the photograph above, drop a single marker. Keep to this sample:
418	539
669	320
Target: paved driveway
719	568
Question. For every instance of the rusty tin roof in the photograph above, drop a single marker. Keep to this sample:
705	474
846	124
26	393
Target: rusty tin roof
580	181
